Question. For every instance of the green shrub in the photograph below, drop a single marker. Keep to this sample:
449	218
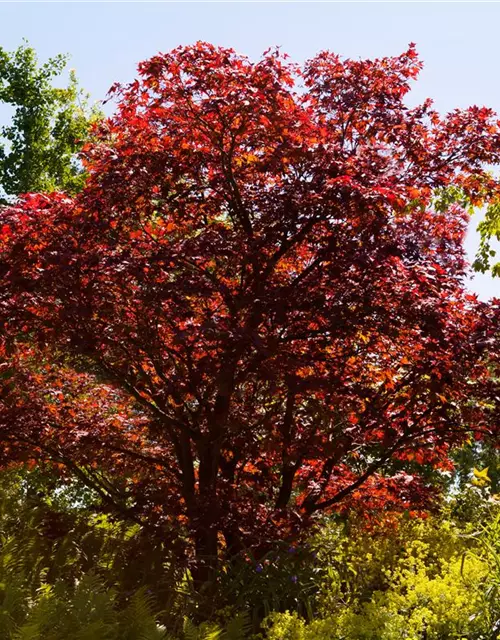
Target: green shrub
394	584
487	592
85	611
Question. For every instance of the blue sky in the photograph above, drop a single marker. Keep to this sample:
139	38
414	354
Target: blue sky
457	41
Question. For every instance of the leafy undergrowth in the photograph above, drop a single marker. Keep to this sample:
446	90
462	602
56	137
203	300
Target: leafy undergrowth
411	579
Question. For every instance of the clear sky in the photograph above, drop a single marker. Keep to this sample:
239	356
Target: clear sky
459	42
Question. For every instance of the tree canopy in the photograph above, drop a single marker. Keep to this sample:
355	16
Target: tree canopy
48	127
255	309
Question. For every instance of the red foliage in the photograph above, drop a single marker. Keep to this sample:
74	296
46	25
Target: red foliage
255	310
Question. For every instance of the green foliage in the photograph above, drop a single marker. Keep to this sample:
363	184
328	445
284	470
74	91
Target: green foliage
283	578
57	535
477	456
489	230
48	125
444	198
487	551
419	581
58	562
408	579
236	629
61	559
358	562
85	611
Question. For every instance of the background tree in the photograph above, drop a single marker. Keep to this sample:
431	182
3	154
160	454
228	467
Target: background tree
48	126
489	230
255	310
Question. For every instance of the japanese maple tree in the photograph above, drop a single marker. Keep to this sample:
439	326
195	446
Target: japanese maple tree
255	311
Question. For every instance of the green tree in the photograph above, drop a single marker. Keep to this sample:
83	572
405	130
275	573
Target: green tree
489	230
48	126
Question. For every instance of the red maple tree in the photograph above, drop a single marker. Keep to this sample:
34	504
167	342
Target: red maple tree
255	311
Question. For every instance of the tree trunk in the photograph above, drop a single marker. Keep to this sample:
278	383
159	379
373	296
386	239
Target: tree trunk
205	520
206	560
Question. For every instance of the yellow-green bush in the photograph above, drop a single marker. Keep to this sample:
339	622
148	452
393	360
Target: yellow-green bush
409	584
358	562
416	606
